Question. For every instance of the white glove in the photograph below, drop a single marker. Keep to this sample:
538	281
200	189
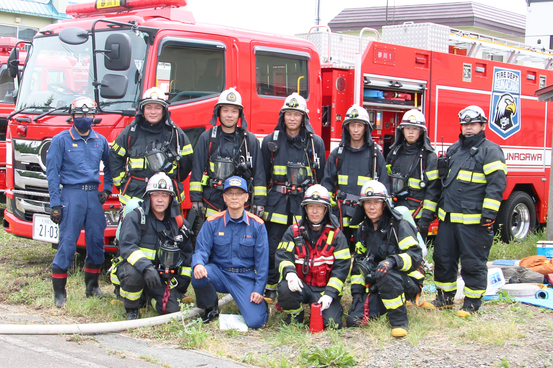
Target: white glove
294	282
258	210
325	302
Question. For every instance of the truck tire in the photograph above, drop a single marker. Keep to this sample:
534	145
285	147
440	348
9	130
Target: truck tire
517	216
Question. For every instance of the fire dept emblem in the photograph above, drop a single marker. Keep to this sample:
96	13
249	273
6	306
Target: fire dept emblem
293	103
162	184
235	182
505	102
231	97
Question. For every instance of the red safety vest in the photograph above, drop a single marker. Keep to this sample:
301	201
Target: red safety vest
320	259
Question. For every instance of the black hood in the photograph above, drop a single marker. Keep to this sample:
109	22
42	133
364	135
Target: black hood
400	138
215	117
360	215
153	128
346	136
305	124
172	211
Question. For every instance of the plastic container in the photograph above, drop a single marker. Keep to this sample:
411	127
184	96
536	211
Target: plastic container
495	281
545	248
316	322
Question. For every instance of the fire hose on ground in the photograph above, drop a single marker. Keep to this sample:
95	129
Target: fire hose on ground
100	328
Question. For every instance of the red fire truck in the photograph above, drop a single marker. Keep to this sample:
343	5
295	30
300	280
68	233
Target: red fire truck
6	103
114	50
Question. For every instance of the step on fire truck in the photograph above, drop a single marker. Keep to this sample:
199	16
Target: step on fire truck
113	50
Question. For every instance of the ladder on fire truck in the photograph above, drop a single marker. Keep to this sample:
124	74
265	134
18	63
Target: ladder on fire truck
511	51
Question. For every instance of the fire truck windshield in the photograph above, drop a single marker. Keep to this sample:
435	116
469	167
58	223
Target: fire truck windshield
56	73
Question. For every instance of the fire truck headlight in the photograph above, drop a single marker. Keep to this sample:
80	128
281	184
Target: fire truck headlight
112	217
9	204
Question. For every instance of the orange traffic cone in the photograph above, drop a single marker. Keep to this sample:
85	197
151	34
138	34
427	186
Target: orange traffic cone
316	323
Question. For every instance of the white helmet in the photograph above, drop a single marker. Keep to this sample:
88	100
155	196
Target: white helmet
295	102
230	97
373	189
472	114
413	118
83	105
153	95
357	113
317	194
160	182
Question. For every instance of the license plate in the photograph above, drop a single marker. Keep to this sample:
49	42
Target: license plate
44	229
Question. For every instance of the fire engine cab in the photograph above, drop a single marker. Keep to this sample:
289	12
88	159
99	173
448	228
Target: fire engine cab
112	51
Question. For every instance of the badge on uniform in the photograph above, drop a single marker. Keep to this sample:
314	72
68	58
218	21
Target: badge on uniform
75	145
221	233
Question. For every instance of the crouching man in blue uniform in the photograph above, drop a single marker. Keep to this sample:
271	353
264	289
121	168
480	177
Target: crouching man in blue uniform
232	256
73	160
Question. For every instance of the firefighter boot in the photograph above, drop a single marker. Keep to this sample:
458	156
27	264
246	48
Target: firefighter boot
210	314
59	279
91	275
132	313
399	331
444	300
470	306
206	299
295	318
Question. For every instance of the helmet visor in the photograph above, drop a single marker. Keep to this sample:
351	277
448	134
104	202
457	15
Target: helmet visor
169	255
467	116
84	106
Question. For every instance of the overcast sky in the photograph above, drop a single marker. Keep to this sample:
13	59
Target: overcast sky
297	16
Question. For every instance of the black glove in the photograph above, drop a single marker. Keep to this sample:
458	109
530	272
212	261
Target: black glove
357	298
55	215
423	226
383	268
151	278
486	222
103	196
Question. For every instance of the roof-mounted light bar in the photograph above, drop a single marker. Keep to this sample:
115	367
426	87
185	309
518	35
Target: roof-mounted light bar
105	6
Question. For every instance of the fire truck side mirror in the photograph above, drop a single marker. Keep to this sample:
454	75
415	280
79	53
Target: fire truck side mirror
114	86
117	54
73	36
13	62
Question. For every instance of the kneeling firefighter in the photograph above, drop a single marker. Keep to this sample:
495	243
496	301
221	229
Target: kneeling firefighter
155	252
386	267
313	259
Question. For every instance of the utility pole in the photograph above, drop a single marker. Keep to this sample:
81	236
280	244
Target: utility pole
318	18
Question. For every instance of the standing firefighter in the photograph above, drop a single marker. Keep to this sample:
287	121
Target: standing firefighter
472	192
150	144
155	252
294	159
386	263
413	170
223	151
313	260
73	160
356	160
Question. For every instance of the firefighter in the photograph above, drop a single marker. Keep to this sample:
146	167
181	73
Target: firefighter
223	151
294	158
232	256
313	259
73	160
473	185
155	252
386	266
413	170
150	144
349	166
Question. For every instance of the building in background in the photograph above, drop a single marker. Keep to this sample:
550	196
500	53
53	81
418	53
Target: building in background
23	18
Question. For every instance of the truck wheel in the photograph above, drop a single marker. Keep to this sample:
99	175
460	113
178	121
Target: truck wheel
517	216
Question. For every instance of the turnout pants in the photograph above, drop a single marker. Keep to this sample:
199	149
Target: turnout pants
239	284
469	243
291	302
134	291
387	296
81	210
275	232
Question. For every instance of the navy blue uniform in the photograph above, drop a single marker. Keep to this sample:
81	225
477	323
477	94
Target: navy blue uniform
235	254
74	161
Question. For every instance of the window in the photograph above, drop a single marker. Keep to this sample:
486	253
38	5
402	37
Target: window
190	69
279	73
22	33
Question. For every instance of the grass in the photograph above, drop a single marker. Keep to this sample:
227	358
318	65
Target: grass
25	278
